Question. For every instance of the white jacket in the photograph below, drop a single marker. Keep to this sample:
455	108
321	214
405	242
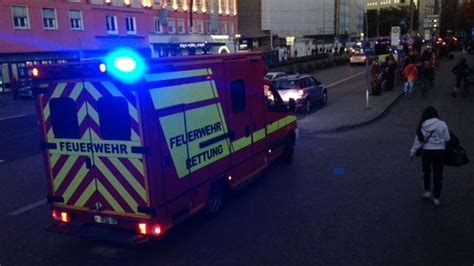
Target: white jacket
437	140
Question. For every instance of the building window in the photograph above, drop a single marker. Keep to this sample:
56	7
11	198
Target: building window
49	19
224	28
208	26
231	28
200	26
131	24
20	17
111	24
181	28
171	26
193	27
237	94
158	25
75	16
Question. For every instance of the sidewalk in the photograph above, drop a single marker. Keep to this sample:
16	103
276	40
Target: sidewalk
10	108
348	111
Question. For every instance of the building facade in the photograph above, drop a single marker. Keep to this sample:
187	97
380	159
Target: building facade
51	31
300	24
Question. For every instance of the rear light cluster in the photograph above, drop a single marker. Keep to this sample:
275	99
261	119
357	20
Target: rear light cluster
61	216
146	229
301	92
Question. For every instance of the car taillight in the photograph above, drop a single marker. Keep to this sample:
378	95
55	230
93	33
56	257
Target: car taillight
156	230
35	72
300	92
61	216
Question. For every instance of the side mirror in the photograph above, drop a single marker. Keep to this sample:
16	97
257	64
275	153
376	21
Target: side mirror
292	105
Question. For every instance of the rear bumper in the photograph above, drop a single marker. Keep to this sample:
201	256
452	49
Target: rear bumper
94	232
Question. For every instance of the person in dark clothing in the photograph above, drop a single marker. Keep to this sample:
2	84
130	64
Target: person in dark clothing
391	68
427	55
462	72
431	136
15	88
426	77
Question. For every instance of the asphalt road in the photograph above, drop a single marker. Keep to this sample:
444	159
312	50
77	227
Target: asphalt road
350	198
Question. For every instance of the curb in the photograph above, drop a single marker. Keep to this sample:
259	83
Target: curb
303	132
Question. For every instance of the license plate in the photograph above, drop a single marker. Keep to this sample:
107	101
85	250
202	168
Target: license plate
105	220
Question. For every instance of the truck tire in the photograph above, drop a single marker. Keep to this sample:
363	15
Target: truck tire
287	157
216	198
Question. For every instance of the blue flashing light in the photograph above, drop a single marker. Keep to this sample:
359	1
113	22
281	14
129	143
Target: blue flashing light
125	65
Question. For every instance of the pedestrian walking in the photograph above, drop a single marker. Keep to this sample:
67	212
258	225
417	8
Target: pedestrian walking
410	72
426	77
430	140
374	75
462	72
391	69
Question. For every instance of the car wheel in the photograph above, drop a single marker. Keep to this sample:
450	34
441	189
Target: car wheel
324	99
308	106
216	198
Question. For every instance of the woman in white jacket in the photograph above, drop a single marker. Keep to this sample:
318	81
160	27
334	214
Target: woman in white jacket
431	134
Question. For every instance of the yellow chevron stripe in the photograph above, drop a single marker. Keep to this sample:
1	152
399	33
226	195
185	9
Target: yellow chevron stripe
138	165
92	113
135	136
58	180
76	91
92	90
116	92
77	180
53	159
81	115
57	92
178	75
109	198
50	133
182	94
86	195
116	184
129	177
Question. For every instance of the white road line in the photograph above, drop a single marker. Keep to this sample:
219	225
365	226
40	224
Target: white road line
344	80
28	207
13	116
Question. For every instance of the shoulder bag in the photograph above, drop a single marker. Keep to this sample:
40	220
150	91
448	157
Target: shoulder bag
419	152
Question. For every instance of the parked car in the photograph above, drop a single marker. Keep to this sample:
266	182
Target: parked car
275	75
304	89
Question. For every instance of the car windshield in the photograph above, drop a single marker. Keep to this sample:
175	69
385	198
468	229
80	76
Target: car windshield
285	84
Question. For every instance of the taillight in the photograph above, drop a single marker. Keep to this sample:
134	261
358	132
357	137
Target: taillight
145	229
142	228
61	216
300	92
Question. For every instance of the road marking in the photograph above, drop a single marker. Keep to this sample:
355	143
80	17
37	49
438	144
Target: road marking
344	80
13	117
28	207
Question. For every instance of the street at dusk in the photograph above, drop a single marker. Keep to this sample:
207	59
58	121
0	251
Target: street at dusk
236	132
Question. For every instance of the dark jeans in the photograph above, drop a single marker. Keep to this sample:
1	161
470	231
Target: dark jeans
433	162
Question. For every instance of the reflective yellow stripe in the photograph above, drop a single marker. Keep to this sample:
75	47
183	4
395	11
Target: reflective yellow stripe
92	113
76	91
116	92
86	195
81	115
259	135
241	143
59	178
78	179
138	165
53	159
177	75
92	90
116	184
129	177
183	94
109	198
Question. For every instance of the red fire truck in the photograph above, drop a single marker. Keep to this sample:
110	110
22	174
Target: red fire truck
132	147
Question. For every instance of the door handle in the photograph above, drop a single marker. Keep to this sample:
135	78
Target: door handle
247	131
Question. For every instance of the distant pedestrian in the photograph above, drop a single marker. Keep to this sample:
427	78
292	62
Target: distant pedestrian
462	72
410	72
374	75
426	77
431	136
391	68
